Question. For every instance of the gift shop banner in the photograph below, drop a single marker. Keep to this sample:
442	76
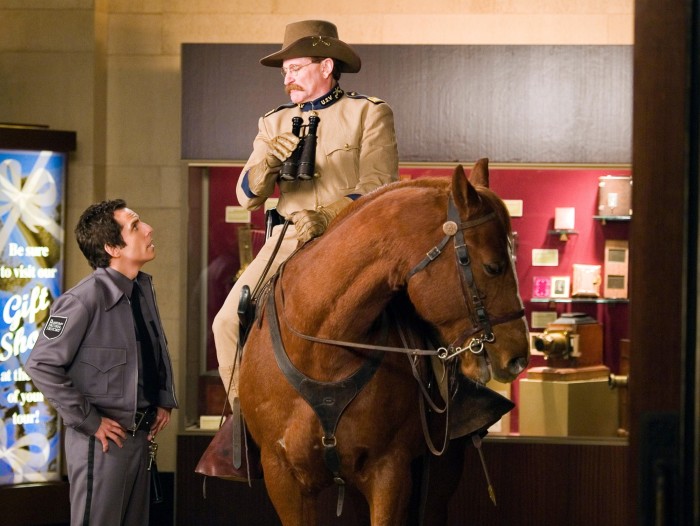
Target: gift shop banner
31	277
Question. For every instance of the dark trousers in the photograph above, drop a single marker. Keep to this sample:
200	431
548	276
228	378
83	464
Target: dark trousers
108	489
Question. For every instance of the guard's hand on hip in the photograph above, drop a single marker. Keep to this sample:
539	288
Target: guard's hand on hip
110	430
162	420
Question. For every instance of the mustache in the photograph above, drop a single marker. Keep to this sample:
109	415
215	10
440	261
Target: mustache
292	87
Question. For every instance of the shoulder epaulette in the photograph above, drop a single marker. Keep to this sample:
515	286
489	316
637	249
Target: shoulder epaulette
278	108
355	95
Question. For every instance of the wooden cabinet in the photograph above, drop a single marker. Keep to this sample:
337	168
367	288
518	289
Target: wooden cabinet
537	482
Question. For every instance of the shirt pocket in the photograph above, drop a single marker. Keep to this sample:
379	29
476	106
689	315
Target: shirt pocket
100	371
343	153
342	163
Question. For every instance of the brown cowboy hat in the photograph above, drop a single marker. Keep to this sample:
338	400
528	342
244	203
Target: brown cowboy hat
314	38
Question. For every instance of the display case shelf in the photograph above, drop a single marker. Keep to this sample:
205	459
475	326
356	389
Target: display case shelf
603	219
562	233
579	300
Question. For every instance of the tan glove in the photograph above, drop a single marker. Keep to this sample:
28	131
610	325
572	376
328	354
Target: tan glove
312	223
262	176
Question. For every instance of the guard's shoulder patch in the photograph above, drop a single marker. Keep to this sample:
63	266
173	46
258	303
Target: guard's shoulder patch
54	327
355	95
278	108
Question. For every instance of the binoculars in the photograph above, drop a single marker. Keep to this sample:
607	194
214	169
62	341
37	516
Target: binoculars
301	163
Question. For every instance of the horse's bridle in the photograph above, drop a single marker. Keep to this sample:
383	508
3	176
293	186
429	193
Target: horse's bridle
454	228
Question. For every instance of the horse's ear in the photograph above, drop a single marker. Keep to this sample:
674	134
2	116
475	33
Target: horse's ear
462	188
480	173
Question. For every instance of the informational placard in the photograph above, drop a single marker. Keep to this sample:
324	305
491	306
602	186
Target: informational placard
31	278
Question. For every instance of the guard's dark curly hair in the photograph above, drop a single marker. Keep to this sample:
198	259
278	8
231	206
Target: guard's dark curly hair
97	228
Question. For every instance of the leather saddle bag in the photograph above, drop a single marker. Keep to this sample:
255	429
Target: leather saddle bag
217	459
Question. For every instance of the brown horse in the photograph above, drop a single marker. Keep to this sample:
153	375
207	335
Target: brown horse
326	313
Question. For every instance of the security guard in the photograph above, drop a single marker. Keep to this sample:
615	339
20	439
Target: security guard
102	361
355	153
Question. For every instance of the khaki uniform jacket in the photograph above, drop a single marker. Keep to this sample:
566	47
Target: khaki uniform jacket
356	152
85	361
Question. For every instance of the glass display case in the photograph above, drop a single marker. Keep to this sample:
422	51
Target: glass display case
224	237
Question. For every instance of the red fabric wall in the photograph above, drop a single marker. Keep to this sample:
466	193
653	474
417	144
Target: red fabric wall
541	190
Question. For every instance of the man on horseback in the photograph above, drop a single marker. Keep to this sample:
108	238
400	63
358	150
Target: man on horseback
340	146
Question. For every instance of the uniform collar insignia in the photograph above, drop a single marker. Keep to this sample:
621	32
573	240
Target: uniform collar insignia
323	101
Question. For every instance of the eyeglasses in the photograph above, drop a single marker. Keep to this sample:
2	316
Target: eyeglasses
294	69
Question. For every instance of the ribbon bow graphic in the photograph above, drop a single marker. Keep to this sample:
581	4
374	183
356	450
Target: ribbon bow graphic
24	462
25	202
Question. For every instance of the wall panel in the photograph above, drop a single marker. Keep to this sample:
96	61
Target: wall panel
535	104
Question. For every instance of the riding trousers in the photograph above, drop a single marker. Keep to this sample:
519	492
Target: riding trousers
225	326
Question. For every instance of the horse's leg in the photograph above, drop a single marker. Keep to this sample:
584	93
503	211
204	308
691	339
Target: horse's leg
443	477
388	489
293	506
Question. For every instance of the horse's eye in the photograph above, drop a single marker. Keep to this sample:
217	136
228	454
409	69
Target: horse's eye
494	269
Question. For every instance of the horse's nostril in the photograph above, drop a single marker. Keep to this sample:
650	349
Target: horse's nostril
517	365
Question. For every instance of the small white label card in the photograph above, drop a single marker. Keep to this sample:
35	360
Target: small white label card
514	206
564	218
237	214
545	257
540	319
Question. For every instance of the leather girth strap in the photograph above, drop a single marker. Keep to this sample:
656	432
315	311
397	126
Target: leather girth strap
328	399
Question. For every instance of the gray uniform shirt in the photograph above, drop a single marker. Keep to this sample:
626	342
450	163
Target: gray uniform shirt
86	359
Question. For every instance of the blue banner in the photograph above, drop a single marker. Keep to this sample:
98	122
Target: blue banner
31	277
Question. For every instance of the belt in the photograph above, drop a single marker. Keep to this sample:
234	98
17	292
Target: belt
144	419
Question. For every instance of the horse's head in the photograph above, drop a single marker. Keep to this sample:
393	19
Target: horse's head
470	293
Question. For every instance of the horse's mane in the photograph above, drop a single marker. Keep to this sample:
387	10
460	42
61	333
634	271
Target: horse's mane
489	199
365	200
